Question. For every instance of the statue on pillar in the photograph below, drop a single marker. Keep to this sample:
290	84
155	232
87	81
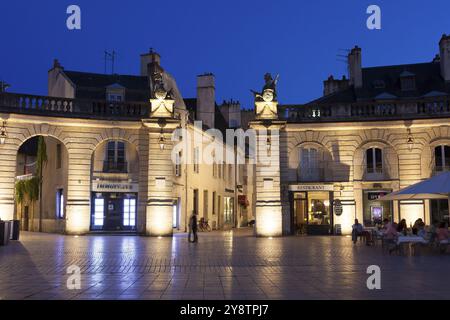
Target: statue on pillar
162	101
266	101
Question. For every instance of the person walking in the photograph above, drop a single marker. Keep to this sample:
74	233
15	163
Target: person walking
193	227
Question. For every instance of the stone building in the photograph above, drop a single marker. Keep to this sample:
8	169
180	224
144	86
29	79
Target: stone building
109	143
376	131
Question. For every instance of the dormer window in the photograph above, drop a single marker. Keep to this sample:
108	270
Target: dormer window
115	93
408	81
114	97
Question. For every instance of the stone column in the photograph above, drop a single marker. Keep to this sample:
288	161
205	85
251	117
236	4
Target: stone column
78	209
269	216
8	157
160	199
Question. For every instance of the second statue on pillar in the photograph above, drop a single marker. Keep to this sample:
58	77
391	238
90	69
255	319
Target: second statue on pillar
266	101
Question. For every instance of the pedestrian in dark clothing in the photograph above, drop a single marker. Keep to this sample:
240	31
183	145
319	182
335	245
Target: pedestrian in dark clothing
193	227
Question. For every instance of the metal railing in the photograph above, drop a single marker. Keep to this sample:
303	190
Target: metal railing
115	167
44	105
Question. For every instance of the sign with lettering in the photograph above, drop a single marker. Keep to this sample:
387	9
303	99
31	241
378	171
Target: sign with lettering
338	207
107	186
376	195
311	187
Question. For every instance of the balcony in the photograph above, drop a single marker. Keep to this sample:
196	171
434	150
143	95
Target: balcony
115	167
368	111
76	108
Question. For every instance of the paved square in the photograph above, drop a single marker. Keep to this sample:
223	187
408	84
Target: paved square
223	265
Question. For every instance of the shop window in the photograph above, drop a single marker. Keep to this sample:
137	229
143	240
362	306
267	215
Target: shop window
374	160
228	209
439	210
60	203
99	211
129	212
442	158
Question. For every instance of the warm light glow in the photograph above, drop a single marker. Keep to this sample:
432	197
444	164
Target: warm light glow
159	237
268	221
270	238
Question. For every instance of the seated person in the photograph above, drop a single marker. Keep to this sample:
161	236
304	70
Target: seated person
391	235
417	225
432	231
442	233
402	227
358	230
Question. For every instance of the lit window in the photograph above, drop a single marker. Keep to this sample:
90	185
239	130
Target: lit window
129	212
99	211
60	203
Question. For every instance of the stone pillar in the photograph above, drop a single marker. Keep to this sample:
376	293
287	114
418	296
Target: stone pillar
78	209
269	216
268	194
160	200
8	158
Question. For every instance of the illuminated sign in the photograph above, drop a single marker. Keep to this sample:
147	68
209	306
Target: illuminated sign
105	186
311	187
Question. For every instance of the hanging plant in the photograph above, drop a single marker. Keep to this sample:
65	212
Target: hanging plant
41	158
20	191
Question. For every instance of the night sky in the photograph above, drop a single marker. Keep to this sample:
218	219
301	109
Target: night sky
238	41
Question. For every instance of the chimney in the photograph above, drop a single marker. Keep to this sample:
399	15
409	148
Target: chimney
444	50
355	67
151	57
206	99
332	85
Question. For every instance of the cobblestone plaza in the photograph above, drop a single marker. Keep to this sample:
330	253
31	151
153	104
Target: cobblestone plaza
223	265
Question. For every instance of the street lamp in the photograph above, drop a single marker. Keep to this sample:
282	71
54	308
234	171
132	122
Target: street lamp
3	134
410	141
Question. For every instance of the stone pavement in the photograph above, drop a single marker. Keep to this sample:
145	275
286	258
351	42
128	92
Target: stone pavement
223	265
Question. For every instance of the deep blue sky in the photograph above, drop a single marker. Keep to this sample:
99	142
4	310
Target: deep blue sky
237	40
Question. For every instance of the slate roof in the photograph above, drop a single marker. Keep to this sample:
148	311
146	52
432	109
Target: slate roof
383	82
93	85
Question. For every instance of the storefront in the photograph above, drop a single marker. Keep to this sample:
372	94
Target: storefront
374	210
311	209
114	206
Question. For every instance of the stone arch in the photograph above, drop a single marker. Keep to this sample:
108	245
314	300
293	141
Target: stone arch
324	158
54	183
390	160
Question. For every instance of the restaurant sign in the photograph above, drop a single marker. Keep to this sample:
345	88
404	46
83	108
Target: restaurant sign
311	187
106	186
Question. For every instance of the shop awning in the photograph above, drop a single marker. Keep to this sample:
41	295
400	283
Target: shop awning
437	187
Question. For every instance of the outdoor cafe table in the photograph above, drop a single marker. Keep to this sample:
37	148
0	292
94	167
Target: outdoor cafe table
410	240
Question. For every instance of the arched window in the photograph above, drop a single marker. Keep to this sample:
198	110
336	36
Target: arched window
310	164
374	160
115	157
442	158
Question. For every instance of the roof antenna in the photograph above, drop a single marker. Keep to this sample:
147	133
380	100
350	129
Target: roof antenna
110	56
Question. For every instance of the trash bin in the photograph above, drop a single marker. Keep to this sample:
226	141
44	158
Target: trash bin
15	229
4	233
